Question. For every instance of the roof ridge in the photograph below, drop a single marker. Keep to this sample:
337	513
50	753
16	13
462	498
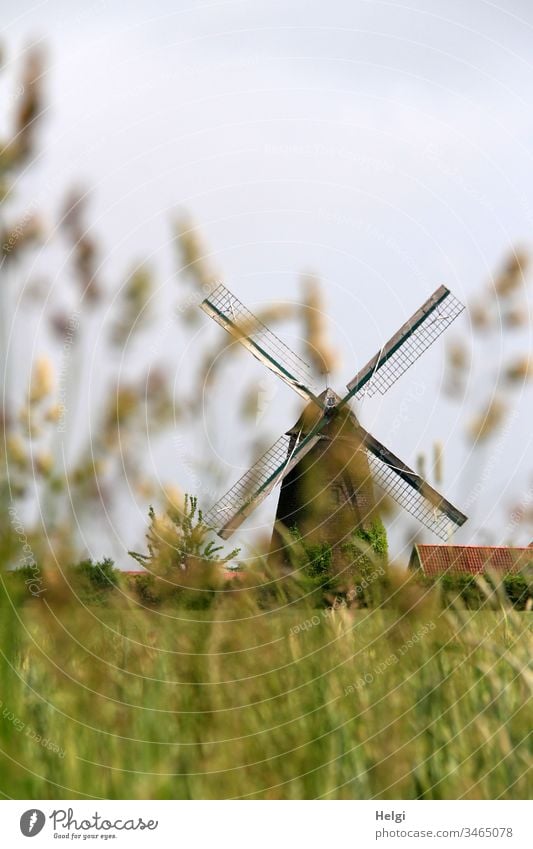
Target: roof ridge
486	547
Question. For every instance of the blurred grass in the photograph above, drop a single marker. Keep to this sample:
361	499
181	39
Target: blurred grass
118	701
243	702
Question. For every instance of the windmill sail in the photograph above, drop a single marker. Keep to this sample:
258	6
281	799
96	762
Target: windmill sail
407	345
387	470
250	331
257	483
410	490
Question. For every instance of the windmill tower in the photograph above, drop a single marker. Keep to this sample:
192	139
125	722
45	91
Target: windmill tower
329	493
329	467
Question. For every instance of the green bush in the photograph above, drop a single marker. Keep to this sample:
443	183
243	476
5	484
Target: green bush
352	572
102	575
365	558
179	539
478	591
145	588
184	563
376	537
519	590
93	582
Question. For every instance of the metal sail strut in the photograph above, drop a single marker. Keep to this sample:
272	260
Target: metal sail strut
253	334
257	483
406	346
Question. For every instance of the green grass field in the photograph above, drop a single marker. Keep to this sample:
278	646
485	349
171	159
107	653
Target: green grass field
240	702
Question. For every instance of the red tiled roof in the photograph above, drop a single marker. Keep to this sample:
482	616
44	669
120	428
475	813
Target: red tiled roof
470	559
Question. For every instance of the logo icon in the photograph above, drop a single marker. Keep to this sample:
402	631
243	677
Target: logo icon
32	822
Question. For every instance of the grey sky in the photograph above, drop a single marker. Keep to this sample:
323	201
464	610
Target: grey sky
385	146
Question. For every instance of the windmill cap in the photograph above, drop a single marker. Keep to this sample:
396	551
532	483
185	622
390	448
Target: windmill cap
330	398
312	413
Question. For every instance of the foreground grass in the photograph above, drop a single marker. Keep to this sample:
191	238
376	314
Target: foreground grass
243	702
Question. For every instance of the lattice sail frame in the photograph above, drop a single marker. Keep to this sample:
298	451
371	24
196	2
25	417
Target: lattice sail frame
406	346
231	314
410	499
257	483
407	487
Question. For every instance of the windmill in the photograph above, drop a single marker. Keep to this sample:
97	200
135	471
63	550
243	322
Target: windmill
327	463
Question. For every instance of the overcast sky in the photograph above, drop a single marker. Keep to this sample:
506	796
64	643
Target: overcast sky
385	146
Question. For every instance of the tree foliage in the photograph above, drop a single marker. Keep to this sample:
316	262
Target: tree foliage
179	539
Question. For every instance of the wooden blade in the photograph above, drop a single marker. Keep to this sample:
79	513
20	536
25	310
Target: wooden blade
244	326
407	345
410	490
257	483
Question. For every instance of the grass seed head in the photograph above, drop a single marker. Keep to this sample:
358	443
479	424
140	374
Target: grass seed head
42	380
